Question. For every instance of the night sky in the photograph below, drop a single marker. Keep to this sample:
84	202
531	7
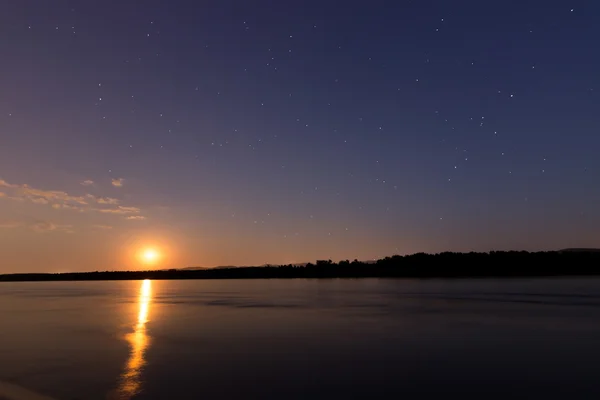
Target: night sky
250	132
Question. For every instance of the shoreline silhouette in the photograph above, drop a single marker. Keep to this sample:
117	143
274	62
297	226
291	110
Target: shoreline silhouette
495	264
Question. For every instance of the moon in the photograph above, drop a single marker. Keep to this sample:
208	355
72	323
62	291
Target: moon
150	256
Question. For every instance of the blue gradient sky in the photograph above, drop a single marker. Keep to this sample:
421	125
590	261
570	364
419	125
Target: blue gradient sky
235	132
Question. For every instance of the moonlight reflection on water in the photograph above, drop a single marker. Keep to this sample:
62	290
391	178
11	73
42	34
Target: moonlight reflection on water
138	340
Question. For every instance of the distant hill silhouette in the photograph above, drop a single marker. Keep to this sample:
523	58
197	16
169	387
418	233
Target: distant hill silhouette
495	264
580	250
237	266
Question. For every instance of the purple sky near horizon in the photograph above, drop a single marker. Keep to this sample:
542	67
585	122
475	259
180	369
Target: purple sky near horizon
233	132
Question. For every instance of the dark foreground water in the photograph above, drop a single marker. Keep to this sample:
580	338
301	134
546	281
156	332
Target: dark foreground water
301	339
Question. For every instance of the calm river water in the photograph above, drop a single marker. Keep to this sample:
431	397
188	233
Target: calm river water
300	339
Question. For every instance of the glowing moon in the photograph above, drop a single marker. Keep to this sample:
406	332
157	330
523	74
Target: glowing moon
150	256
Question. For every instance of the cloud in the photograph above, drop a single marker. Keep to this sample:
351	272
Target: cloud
87	182
61	200
136	217
102	227
40	196
39	226
39	200
103	200
6	184
120	210
45	226
107	200
67	207
118	182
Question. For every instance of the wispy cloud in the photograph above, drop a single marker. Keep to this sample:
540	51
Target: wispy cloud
136	218
45	226
120	210
61	200
6	184
118	182
67	207
40	196
39	226
102	227
87	182
39	200
107	200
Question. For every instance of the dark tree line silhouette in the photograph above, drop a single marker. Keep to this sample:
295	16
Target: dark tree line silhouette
443	265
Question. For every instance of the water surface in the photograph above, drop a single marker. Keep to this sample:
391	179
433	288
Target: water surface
300	339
